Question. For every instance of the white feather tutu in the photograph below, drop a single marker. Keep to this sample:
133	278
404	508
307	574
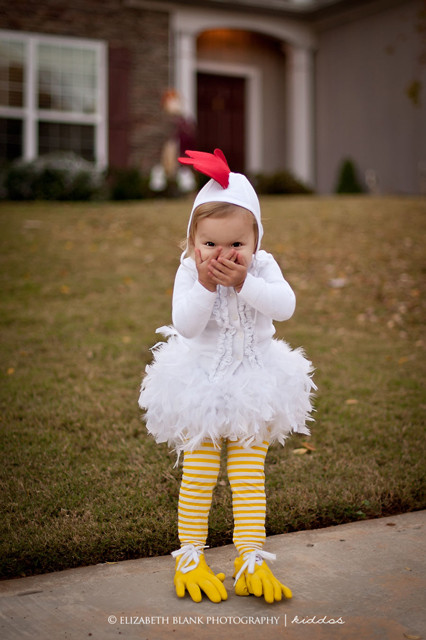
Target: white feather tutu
255	403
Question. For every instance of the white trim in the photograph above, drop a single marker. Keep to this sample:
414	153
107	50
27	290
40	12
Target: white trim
300	121
30	87
31	115
253	98
185	69
43	37
195	21
67	117
101	130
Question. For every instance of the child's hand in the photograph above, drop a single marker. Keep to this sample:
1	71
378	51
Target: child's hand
230	255
230	271
203	268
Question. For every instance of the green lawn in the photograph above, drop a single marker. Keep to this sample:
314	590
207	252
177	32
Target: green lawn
84	287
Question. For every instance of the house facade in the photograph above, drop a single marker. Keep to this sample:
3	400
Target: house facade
281	84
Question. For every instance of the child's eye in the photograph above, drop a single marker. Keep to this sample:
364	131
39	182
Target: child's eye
209	244
237	244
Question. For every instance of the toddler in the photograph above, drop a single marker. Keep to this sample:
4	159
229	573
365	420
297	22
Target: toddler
221	379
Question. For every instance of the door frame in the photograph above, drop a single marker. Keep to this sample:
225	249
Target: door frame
253	102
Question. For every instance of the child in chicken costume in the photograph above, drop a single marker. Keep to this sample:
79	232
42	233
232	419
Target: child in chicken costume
222	380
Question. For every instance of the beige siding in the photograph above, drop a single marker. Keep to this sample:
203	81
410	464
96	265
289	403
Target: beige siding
364	69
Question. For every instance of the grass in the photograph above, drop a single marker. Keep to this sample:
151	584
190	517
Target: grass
83	288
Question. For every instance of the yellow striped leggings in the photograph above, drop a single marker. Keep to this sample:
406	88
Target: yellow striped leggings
247	479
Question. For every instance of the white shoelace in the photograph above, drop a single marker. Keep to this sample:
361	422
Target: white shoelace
190	554
257	556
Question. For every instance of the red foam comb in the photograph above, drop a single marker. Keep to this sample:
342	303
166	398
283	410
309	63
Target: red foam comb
213	165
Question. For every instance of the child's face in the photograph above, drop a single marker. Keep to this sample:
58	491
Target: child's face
232	232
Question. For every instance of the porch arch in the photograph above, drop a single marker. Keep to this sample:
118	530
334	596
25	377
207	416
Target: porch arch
299	42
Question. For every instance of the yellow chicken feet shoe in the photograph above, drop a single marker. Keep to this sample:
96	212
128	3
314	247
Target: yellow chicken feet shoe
240	583
194	575
253	576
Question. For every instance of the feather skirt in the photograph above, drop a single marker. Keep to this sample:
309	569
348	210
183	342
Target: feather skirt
183	406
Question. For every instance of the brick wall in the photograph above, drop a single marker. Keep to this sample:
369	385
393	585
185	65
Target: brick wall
139	66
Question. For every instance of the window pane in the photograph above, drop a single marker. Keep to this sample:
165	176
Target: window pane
67	78
56	136
10	138
11	73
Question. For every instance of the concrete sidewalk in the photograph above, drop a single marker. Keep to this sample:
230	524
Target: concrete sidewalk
363	581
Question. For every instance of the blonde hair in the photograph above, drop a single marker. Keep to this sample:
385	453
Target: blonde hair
214	210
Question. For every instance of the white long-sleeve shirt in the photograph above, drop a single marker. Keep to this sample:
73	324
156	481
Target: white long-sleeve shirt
227	328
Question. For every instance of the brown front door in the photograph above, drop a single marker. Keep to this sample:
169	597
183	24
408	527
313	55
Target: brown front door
221	117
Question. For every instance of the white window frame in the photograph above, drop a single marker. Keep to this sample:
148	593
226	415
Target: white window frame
31	115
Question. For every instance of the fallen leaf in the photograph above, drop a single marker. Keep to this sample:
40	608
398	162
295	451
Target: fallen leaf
351	401
409	636
10	371
300	452
308	446
65	290
390	524
32	224
337	283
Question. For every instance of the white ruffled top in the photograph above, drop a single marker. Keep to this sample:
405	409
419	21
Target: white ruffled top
227	328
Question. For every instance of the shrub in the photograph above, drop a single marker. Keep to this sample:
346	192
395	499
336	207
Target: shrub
348	181
128	184
18	182
281	182
55	176
49	184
